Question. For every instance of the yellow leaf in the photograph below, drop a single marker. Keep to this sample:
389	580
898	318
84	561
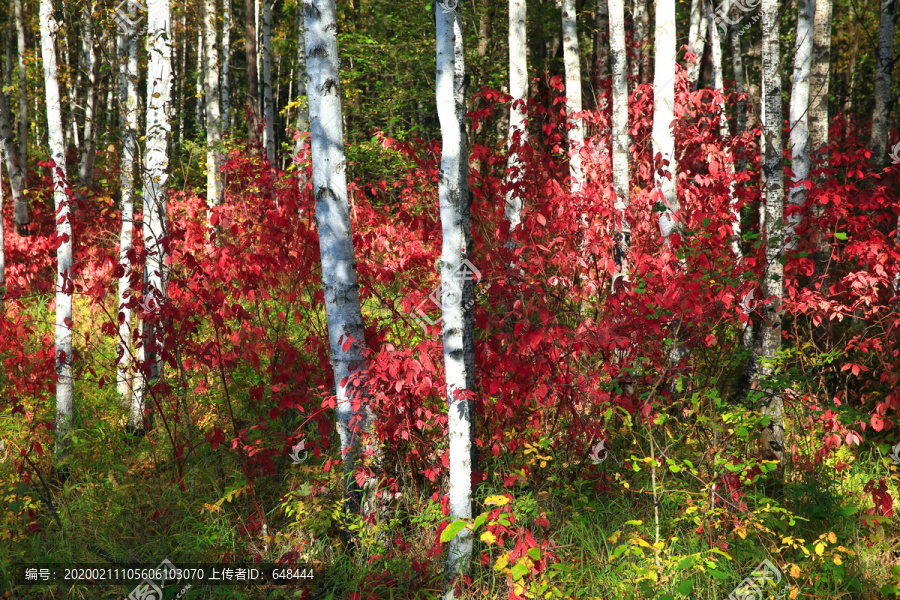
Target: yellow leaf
820	547
488	537
501	563
787	540
831	537
795	571
805	551
741	532
614	537
837	560
496	500
794	594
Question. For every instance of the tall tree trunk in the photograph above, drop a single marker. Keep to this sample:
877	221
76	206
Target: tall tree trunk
303	109
769	338
740	77
213	113
696	39
601	39
718	78
639	34
819	76
2	241
13	168
620	153
572	61
664	114
92	68
226	65
848	104
156	180
518	89
883	65
799	116
339	280
128	91
268	105
65	384
253	140
199	98
457	285
22	155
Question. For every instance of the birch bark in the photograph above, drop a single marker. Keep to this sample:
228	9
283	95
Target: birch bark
457	285
92	68
573	93
65	384
213	112
13	169
883	66
226	65
252	101
819	76
620	153
664	115
518	89
268	104
799	117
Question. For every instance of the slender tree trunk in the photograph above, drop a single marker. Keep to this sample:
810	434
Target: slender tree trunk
769	339
518	89
199	98
156	180
226	65
23	92
799	116
213	114
339	280
620	153
13	169
573	93
2	241
718	78
65	387
854	53
92	68
664	114
128	80
695	40
639	34
268	105
457	287
883	65
303	109
182	80
819	76
601	39
740	77
253	139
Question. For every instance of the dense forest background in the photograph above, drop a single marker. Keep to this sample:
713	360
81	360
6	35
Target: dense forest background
521	299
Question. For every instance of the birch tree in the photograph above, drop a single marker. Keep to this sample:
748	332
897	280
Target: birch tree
819	75
22	154
620	143
799	116
518	89
128	81
664	115
252	101
226	65
303	109
573	93
268	104
884	63
156	179
92	69
11	152
339	281
696	39
768	341
65	384
640	21
457	286
601	39
213	112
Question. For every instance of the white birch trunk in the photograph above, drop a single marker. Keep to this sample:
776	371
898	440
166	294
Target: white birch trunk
268	105
664	114
799	116
92	68
16	174
819	77
198	93
128	81
22	154
769	339
65	385
719	84
620	138
226	65
156	179
639	35
883	63
339	281
696	39
213	113
518	89
572	63
457	285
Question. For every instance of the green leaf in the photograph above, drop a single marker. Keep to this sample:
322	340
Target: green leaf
534	553
479	520
684	588
452	530
519	571
840	235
